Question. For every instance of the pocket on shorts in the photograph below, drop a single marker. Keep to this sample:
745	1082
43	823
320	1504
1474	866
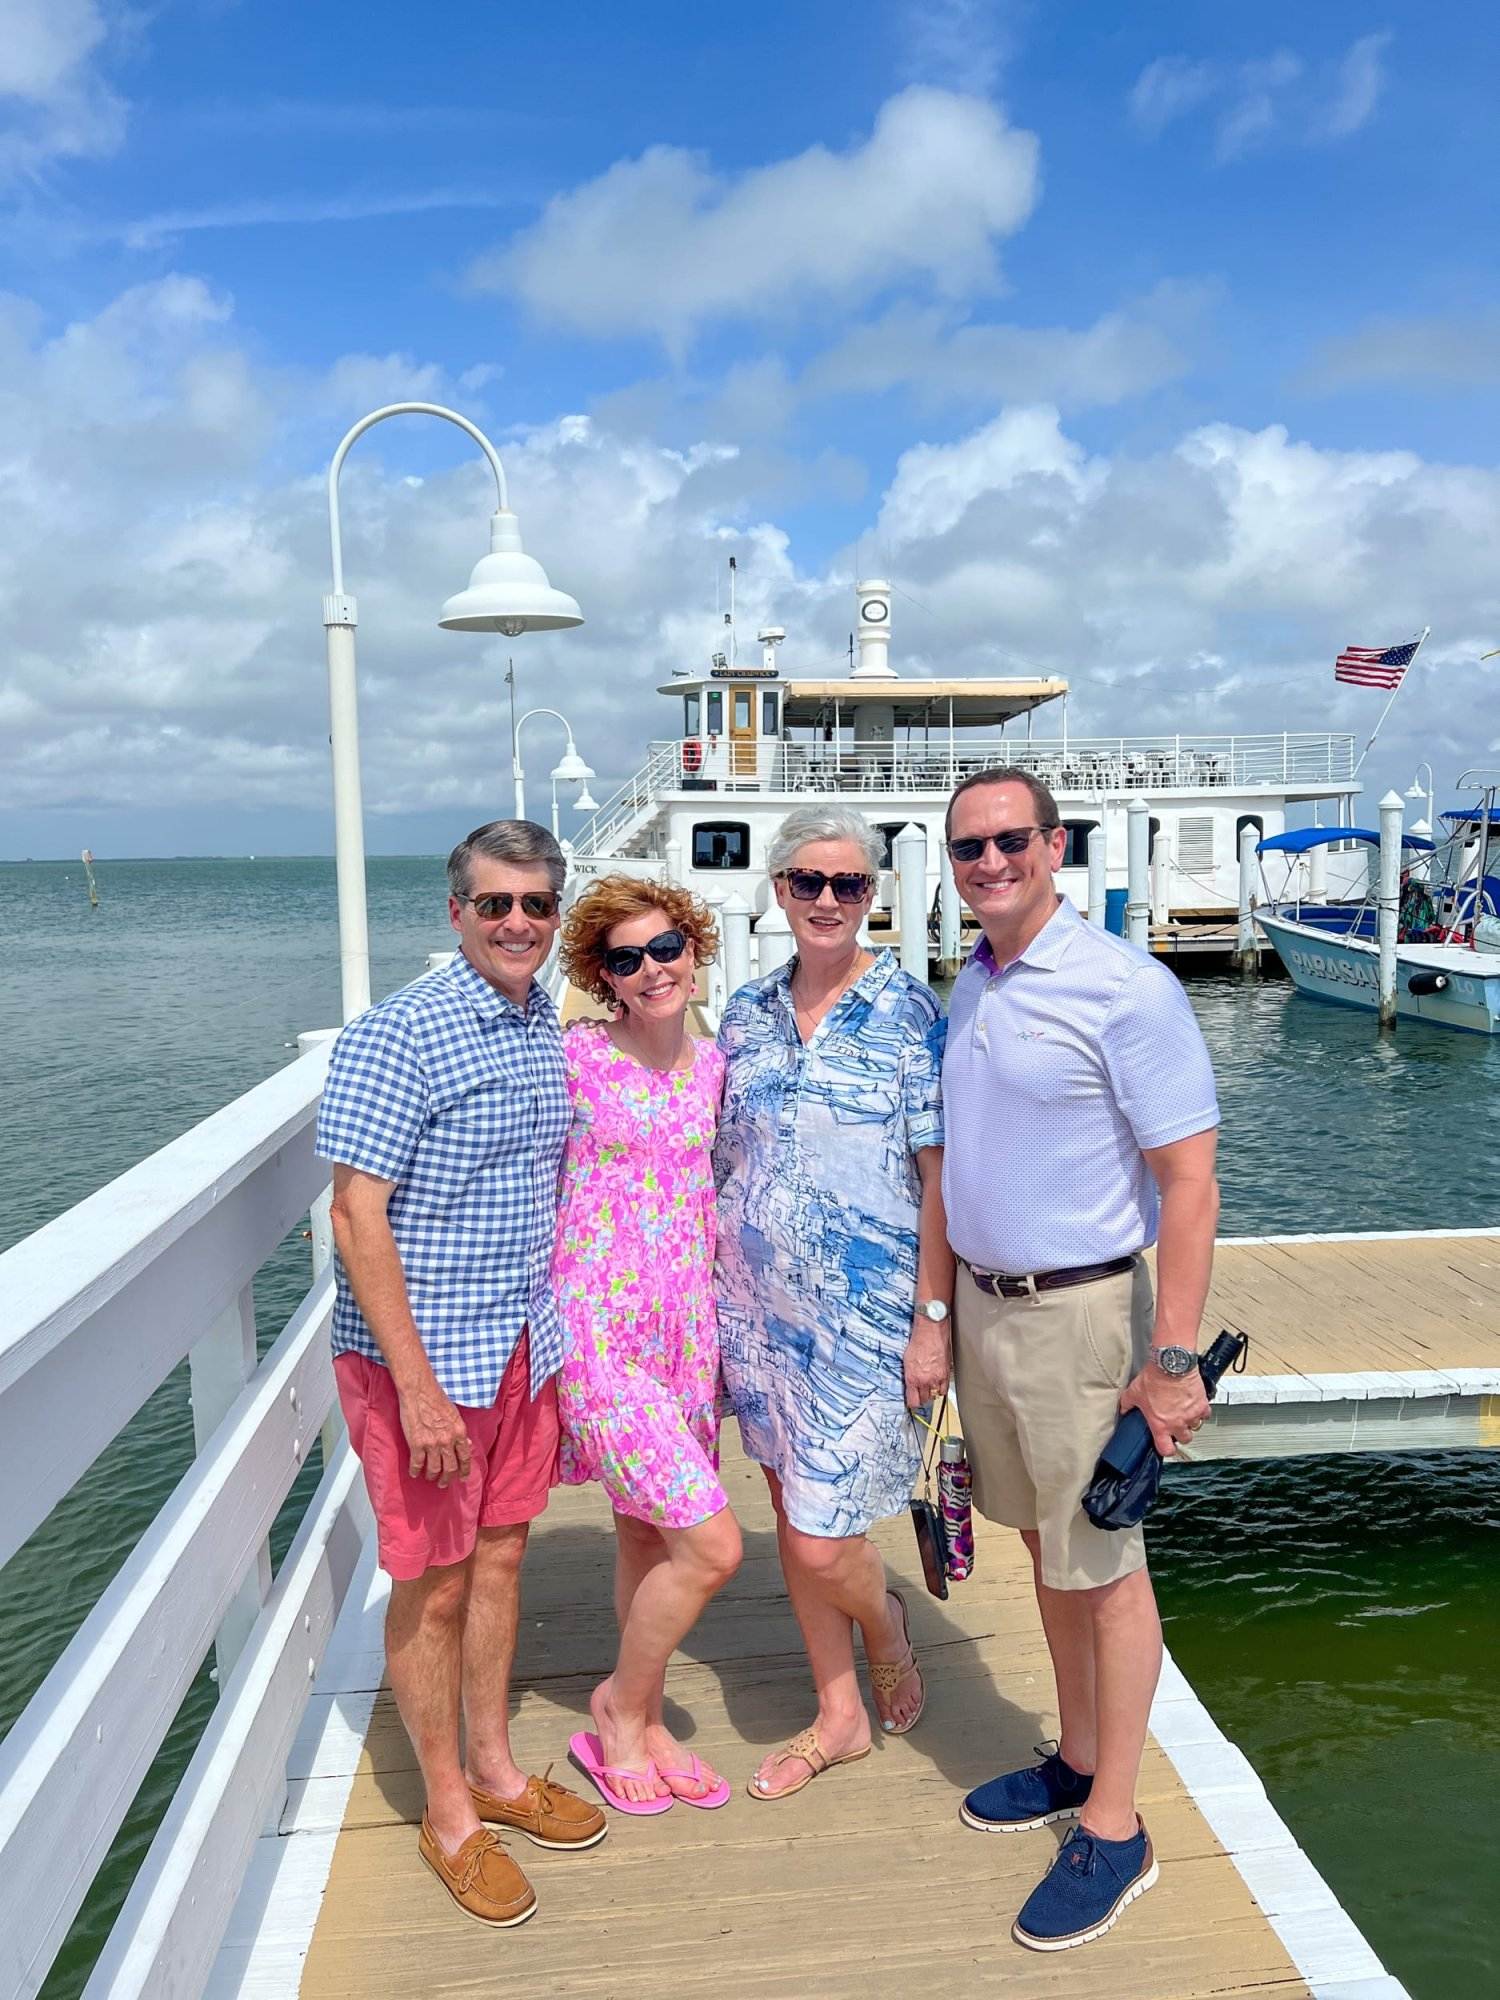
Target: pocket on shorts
1107	1328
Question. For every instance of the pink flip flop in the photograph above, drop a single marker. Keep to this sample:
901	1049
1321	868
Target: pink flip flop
719	1796
588	1754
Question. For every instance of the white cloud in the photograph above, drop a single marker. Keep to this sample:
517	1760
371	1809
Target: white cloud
151	232
1281	98
1361	78
663	245
54	103
161	585
959	44
1451	352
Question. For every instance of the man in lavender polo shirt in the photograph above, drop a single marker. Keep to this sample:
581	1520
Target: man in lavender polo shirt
1081	1127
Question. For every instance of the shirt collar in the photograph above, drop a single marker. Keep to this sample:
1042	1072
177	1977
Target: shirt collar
488	1002
874	979
1046	950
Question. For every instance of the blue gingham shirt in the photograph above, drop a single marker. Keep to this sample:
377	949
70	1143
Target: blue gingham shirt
460	1097
1060	1069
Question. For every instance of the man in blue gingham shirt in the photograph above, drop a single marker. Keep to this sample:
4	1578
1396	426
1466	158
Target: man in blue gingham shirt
445	1113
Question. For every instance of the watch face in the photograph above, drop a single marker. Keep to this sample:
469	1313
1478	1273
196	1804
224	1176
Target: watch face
1175	1360
933	1309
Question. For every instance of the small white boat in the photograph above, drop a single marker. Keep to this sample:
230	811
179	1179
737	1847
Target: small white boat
1448	940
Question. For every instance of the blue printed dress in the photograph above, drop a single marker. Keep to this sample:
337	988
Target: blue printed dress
816	1264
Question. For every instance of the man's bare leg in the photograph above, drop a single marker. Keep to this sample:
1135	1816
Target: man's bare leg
1068	1623
1127	1666
491	1619
423	1650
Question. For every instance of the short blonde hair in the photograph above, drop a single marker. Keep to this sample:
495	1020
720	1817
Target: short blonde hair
615	899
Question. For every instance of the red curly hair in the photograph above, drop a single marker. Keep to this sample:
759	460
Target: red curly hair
615	899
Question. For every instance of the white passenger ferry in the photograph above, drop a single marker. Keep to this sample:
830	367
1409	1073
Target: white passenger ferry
751	742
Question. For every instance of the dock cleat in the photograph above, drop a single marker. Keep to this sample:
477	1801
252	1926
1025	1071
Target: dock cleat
1082	1894
1035	1796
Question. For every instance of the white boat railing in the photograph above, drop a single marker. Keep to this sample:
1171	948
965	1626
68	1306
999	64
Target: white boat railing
100	1306
1094	765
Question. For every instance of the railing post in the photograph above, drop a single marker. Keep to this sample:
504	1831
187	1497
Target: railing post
774	936
220	1363
909	855
1161	879
1137	872
1245	956
320	1224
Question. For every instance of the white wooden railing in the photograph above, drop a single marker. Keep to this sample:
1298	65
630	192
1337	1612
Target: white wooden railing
99	1306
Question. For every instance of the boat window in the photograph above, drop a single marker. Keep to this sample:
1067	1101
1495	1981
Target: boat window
716	711
1076	852
692	713
769	720
1153	829
888	834
742	711
1248	819
721	843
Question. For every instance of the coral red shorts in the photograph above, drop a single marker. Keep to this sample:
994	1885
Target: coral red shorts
421	1525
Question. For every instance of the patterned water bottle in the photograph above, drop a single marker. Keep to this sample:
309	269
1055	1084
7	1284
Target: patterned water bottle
955	1482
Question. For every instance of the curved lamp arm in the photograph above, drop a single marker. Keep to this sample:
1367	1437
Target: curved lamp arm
375	417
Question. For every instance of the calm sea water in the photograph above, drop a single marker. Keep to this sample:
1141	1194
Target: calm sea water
1338	1616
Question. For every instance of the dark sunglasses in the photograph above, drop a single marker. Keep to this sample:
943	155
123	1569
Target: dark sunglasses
625	959
535	903
807	884
1015	840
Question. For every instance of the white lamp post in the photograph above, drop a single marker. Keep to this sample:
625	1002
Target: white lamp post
1416	790
571	771
508	592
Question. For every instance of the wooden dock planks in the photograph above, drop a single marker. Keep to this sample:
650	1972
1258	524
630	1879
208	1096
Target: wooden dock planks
1349	1305
867	1881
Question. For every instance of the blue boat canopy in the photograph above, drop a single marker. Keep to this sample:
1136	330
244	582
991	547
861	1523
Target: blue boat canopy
1301	838
1470	815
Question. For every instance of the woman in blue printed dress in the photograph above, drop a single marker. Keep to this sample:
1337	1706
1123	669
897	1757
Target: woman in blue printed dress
833	1271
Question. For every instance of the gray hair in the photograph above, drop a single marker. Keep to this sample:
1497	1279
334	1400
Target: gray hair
809	823
517	841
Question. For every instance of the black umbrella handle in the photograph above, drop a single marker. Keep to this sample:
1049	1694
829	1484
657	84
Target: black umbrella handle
1228	1351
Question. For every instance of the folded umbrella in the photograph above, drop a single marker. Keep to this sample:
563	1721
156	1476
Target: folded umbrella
1127	1476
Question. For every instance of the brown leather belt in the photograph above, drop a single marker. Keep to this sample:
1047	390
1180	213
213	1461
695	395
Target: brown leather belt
1001	1285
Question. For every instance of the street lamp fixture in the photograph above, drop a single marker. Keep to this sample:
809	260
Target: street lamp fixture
1417	790
508	592
570	771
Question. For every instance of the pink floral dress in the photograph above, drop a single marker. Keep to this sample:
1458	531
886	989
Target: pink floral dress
633	1269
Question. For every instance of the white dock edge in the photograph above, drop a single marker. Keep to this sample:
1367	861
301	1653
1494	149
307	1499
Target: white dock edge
271	1928
1321	1938
1279	1416
270	1933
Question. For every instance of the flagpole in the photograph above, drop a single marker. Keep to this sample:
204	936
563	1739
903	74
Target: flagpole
1390	704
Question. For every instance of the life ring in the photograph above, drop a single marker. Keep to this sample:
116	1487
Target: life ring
692	755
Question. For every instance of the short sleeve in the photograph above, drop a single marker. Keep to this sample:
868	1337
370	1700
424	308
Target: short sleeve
922	1087
1157	1060
375	1102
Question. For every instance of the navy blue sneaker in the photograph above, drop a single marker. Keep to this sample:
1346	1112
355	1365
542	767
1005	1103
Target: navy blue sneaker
1085	1889
1023	1799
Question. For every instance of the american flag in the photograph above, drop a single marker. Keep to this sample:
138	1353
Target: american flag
1375	666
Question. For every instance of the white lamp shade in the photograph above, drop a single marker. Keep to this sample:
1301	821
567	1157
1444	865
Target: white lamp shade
1415	791
572	770
509	591
585	802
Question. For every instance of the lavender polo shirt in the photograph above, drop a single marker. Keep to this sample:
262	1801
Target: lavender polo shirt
1058	1071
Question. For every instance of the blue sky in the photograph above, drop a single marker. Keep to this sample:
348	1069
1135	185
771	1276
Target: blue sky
1156	347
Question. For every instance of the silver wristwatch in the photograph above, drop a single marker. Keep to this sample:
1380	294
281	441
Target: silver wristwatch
1175	1361
933	1309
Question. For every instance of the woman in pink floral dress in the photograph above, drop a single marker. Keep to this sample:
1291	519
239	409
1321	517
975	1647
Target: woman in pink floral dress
633	1270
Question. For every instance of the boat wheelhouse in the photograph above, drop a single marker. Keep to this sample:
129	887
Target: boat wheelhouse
754	741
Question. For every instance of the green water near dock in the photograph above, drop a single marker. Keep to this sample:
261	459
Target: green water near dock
1338	1615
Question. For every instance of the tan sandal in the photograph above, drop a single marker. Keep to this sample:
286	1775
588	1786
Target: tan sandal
806	1746
887	1675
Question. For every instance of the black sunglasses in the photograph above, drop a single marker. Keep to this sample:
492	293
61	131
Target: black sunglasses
625	959
1015	840
535	902
807	884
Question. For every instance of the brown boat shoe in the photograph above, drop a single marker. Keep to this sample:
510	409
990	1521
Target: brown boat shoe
547	1813
481	1878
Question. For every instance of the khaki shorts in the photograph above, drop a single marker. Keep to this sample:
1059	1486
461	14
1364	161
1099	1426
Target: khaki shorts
1038	1383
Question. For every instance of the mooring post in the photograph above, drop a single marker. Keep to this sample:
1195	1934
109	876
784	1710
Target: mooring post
1138	872
735	924
1388	903
909	852
774	937
1246	959
1098	874
950	921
